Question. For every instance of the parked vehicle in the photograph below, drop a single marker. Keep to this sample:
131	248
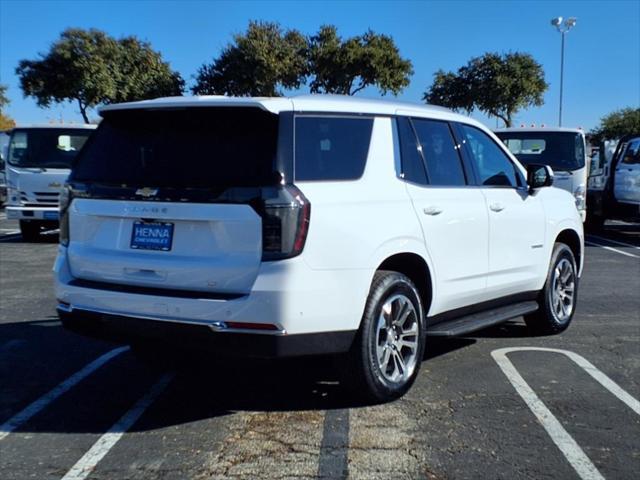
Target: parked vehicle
38	163
563	149
271	227
4	143
614	183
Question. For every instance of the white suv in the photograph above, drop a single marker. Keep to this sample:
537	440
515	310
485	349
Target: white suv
274	227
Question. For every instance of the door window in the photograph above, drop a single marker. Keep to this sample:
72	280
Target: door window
493	166
412	164
440	153
632	155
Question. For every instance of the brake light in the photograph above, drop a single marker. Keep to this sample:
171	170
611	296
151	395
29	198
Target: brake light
285	224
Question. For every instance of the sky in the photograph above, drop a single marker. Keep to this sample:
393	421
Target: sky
602	52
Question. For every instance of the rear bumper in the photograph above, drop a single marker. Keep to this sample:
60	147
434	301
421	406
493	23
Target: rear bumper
48	214
205	337
290	310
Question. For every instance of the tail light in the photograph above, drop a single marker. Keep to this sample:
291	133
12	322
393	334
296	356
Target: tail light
66	196
285	223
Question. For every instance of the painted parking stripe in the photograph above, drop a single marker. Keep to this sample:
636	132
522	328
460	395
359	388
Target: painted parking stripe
83	468
611	249
12	236
617	242
24	415
567	445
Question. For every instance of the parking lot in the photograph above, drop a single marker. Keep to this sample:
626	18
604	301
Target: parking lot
76	408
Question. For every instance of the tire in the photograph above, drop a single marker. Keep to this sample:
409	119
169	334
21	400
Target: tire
374	368
558	298
30	231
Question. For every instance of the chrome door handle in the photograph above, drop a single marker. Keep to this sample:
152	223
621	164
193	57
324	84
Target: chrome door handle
496	207
432	210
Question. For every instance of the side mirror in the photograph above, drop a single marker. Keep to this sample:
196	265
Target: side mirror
539	176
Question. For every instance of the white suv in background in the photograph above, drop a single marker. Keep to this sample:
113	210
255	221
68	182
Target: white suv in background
273	227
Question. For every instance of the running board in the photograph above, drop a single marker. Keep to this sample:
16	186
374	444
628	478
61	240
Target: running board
478	321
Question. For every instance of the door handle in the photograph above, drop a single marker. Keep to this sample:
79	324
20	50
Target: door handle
432	210
496	207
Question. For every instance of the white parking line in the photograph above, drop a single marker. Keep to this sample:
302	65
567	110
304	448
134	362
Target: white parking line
83	468
24	415
617	242
590	242
567	445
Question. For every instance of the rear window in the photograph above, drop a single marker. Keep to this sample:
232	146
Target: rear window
196	147
331	148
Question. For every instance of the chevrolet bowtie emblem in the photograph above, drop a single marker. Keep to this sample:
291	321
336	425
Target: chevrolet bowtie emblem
55	185
146	192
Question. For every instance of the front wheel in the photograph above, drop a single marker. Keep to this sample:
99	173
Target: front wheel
559	295
385	358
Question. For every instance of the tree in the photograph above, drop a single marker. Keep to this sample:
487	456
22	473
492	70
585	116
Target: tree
259	63
5	122
498	85
348	66
92	68
616	124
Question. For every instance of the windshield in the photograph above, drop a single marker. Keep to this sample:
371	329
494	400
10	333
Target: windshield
196	147
46	147
560	150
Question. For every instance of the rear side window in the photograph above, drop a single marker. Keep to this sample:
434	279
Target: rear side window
492	164
444	166
331	148
194	147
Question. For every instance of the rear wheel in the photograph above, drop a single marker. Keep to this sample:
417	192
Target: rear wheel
385	358
30	230
559	295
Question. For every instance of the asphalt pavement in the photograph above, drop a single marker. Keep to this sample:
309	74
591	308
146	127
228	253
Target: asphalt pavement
557	407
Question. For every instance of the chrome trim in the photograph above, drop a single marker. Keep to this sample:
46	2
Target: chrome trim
215	325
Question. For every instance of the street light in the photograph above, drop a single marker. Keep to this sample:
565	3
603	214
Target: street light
562	28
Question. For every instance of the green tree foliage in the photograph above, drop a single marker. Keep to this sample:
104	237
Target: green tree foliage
92	68
498	85
617	124
258	63
6	122
350	65
267	59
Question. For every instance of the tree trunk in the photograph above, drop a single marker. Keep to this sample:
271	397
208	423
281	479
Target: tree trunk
356	90
506	118
83	111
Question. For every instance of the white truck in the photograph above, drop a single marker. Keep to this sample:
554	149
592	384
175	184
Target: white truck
614	182
38	162
563	149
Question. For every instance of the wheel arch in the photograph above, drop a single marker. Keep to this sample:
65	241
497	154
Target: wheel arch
416	268
571	238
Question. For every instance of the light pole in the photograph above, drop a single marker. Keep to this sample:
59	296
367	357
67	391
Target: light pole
562	28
